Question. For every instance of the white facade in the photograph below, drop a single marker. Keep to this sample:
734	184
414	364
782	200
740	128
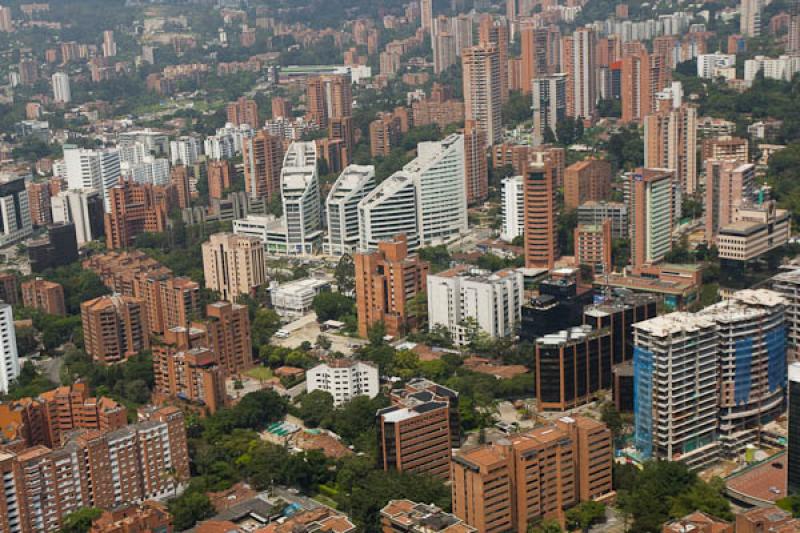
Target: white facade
584	72
221	146
238	133
781	68
300	196
92	169
296	298
355	182
15	214
441	198
9	359
74	206
155	142
461	299
61	90
152	170
513	208
344	379
389	210
788	285
708	65
184	151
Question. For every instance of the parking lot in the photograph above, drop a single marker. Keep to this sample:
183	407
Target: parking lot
307	329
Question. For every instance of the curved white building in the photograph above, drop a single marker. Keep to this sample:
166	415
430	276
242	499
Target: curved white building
355	182
300	196
390	209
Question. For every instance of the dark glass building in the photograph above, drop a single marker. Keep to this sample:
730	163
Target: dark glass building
559	305
571	366
619	312
793	459
59	248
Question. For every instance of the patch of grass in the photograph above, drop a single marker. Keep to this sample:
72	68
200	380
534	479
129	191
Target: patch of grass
261	373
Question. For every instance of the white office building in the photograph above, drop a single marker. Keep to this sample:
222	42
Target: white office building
300	196
155	142
513	209
185	150
9	358
389	210
152	170
221	146
341	206
467	300
780	68
61	90
97	170
82	208
237	133
710	65
15	215
344	379
439	177
296	298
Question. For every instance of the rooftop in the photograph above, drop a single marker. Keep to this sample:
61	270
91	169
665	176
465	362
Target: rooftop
762	483
674	323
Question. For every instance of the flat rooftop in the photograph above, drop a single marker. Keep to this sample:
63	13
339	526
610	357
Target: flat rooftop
761	484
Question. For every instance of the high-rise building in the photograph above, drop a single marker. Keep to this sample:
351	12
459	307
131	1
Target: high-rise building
61	89
793	447
341	208
97	170
83	209
670	142
387	280
643	77
587	180
94	469
494	492
281	107
728	185
14	211
301	200
233	265
185	150
439	178
134	209
618	313
541	50
513	209
9	358
58	248
9	288
593	246
46	296
751	348
652	215
227	335
750	17
114	328
109	45
468	301
39	203
415	432
482	89
344	379
243	111
541	232
495	31
444	46
756	229
675	387
6	22
426	11
219	178
476	165
263	159
549	105
328	97
584	73
384	135
390	209
572	366
726	148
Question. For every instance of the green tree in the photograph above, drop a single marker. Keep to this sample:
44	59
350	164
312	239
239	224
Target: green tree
264	326
376	334
706	497
80	521
332	306
545	526
586	514
611	418
315	408
190	508
345	274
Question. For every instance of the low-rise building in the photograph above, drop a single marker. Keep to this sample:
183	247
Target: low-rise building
46	296
344	379
296	298
405	516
